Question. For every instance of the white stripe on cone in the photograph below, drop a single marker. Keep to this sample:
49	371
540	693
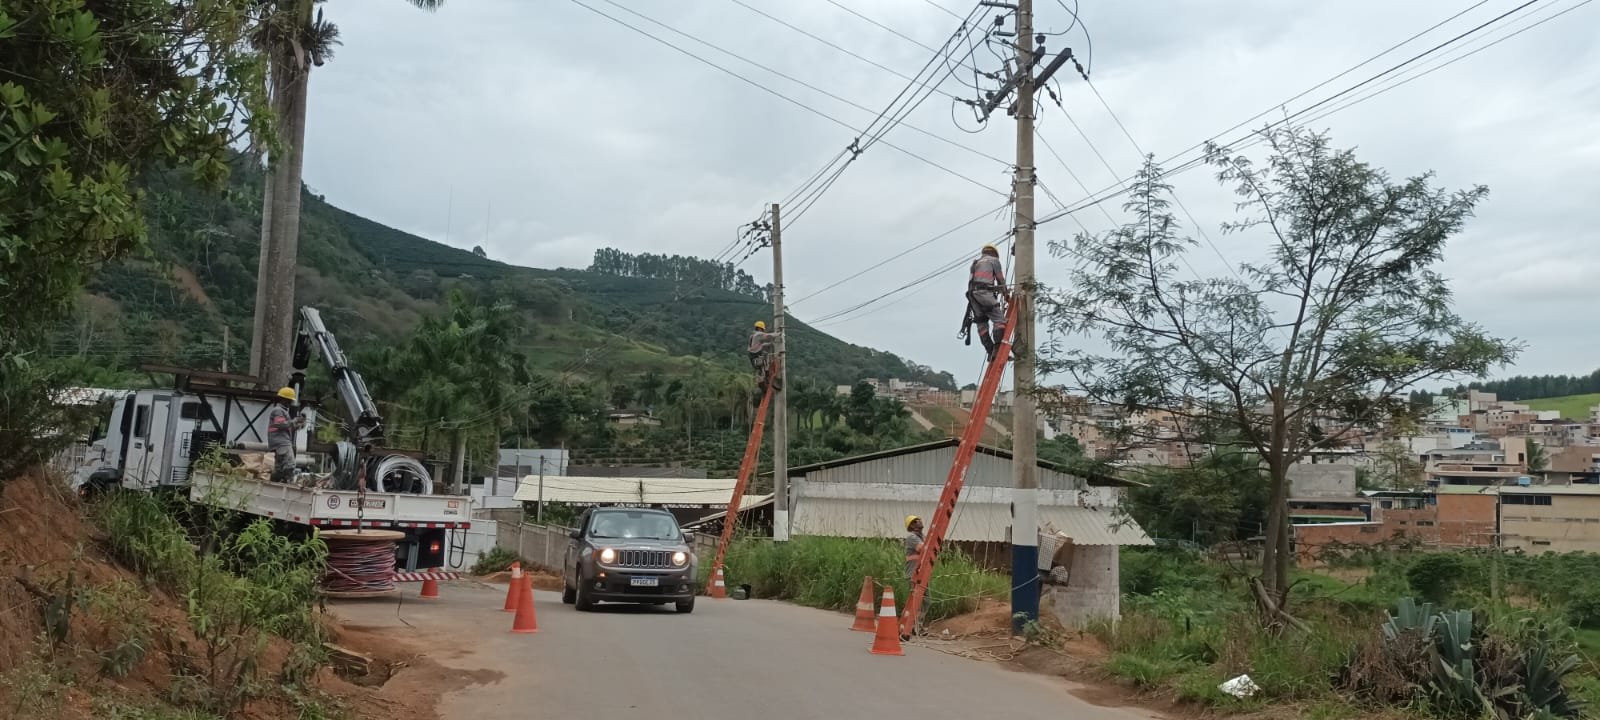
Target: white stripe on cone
887	610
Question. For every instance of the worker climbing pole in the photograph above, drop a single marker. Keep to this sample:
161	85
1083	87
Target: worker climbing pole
939	522
747	470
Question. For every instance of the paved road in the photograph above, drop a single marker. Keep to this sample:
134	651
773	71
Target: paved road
750	660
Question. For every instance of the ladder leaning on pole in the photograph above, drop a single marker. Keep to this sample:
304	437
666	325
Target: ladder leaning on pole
747	470
939	522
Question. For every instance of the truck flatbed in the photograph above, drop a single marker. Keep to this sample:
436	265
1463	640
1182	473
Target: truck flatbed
330	508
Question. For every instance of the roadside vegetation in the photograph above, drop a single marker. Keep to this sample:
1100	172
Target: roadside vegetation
826	572
1435	635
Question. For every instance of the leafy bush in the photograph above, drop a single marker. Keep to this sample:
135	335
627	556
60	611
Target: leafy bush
498	559
1435	577
256	585
826	572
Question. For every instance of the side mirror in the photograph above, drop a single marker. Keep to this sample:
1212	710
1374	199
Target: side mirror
576	534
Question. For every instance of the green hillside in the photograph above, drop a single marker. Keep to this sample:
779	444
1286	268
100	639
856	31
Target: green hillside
374	283
1572	407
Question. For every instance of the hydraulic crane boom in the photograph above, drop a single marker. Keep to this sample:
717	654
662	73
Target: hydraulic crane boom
939	522
366	430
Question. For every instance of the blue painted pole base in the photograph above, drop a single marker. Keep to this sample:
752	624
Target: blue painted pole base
1024	586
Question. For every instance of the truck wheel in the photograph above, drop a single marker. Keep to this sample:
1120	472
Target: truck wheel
686	606
581	600
568	595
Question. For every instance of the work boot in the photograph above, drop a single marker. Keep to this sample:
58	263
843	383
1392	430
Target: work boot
988	343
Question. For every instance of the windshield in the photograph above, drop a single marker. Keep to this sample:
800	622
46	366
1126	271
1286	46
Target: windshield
634	526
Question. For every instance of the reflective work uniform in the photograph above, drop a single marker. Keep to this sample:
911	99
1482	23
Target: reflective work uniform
280	437
984	288
914	546
761	346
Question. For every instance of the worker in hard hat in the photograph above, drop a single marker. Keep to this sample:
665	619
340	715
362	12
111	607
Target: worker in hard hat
986	292
762	345
915	544
282	422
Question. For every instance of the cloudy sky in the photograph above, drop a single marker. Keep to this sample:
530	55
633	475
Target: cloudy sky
542	130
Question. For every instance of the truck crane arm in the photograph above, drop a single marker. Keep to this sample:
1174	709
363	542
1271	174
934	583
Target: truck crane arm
366	430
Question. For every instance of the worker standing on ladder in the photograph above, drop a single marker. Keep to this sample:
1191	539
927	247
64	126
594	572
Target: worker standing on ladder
761	346
915	545
986	292
281	426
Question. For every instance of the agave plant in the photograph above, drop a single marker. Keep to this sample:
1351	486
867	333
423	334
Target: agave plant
1543	688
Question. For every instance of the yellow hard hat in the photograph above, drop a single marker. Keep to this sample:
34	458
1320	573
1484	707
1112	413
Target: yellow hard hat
911	519
761	324
990	249
286	393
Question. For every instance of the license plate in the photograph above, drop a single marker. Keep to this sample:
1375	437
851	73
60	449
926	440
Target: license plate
644	581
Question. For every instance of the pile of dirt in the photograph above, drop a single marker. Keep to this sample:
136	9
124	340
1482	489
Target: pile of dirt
991	619
49	550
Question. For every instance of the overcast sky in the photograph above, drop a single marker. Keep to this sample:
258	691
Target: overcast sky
542	131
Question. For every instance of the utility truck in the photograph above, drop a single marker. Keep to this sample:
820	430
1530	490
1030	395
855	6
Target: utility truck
153	439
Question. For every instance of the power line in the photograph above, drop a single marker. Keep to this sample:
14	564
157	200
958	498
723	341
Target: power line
770	91
902	253
1113	191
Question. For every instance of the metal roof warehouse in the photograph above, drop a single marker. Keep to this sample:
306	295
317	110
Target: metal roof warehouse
870	496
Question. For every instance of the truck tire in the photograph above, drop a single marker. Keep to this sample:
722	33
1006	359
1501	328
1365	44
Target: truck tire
684	607
568	595
581	600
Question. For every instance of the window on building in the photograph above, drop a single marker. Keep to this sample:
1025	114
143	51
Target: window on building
1541	542
1387	504
1424	523
1526	499
141	422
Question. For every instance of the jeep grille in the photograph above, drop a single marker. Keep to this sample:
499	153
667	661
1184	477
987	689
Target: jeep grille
657	559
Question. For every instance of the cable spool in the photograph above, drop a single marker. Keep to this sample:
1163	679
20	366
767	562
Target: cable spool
360	563
400	474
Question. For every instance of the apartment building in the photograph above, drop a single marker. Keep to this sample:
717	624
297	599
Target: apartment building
1551	518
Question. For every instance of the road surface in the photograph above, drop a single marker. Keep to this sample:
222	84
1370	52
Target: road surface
730	659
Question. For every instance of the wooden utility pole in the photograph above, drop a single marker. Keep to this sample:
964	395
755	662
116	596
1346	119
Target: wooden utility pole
780	404
1024	441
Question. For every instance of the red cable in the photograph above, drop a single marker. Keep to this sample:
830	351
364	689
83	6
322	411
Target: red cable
359	566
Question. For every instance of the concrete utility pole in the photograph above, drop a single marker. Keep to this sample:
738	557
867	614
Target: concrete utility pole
1024	447
780	405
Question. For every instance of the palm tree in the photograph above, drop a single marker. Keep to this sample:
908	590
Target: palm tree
294	39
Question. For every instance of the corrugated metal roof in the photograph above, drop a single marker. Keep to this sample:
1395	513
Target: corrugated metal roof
1097	479
650	491
983	514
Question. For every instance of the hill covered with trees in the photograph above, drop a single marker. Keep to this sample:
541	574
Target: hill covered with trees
625	314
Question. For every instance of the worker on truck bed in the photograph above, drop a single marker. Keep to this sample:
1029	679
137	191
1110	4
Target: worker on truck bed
915	544
282	422
760	349
986	289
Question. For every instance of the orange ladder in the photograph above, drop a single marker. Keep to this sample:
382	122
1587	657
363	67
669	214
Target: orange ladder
939	522
747	469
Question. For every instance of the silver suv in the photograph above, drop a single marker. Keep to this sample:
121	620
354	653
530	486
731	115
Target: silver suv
628	555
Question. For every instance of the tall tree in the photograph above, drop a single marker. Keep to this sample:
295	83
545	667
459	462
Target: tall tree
295	38
94	96
1296	352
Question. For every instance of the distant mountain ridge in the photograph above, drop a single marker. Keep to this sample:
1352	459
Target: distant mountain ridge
189	300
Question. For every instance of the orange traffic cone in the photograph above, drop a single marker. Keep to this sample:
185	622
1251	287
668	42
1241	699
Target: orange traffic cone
865	622
525	622
430	589
515	590
887	641
719	586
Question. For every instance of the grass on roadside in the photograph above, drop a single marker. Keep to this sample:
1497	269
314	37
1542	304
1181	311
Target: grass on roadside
826	572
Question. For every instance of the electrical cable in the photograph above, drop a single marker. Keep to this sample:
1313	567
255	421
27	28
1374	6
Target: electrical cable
901	254
772	92
1113	192
359	565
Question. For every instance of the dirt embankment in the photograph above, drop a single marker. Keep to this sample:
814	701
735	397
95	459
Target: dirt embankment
65	607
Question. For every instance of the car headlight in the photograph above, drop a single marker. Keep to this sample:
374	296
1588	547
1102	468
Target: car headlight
680	558
608	556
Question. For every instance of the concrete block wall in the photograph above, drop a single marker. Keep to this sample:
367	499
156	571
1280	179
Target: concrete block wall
1093	590
540	545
